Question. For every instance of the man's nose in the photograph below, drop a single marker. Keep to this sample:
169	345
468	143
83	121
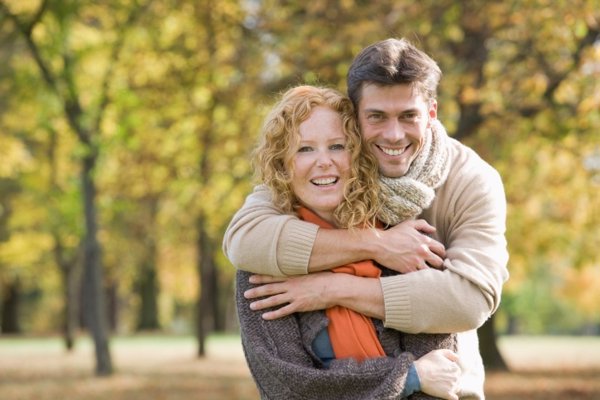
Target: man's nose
394	132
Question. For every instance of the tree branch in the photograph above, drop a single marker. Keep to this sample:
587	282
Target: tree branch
114	57
26	30
589	39
556	78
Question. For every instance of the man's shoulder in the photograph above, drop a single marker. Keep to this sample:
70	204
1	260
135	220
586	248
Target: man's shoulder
470	176
466	164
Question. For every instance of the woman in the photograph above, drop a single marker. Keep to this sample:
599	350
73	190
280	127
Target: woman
310	156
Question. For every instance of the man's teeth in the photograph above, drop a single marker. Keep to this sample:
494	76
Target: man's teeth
392	152
324	181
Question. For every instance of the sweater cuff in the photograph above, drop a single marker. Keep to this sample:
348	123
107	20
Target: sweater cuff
295	246
396	299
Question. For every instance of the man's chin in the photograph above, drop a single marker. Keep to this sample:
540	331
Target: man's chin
393	171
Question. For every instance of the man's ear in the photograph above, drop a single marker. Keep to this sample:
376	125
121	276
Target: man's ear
433	109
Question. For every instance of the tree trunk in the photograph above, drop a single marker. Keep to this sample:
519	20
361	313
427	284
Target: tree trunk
147	286
112	305
71	279
9	309
70	310
94	302
488	344
207	303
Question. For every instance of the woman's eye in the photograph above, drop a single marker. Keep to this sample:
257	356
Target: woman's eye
304	149
338	146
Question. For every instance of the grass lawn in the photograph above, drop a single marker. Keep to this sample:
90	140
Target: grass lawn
165	367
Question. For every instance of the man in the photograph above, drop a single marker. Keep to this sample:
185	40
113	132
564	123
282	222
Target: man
453	257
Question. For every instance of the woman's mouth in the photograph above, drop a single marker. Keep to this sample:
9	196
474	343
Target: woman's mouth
324	181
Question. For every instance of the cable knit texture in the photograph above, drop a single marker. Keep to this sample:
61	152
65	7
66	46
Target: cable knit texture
406	197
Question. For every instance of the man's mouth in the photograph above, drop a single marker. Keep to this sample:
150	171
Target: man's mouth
392	152
324	181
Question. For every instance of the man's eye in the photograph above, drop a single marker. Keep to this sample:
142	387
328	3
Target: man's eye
338	146
375	117
304	149
410	116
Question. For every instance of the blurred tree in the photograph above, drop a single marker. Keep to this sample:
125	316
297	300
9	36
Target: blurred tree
221	73
50	38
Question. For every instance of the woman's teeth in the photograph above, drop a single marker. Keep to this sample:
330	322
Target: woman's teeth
324	181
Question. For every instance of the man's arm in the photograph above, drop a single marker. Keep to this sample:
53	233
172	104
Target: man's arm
261	240
468	291
316	291
407	247
254	236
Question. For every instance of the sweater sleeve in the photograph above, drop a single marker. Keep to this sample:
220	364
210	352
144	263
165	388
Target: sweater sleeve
260	239
283	368
468	290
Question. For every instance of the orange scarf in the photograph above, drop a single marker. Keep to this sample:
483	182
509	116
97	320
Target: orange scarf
352	334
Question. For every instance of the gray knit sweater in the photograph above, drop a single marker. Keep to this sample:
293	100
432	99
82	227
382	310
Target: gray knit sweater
284	366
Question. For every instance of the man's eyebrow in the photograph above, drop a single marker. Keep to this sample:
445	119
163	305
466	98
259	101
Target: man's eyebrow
410	111
376	110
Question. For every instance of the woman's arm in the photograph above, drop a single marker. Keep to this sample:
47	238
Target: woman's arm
283	368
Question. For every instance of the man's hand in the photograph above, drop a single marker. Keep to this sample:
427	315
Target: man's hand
316	291
407	247
295	294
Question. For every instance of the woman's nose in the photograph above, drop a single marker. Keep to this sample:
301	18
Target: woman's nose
324	160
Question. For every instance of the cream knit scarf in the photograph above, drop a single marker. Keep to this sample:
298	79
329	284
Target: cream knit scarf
406	197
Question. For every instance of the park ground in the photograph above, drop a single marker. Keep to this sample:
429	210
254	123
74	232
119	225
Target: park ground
165	368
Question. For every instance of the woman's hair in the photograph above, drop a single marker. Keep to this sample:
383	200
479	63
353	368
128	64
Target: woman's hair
393	62
273	158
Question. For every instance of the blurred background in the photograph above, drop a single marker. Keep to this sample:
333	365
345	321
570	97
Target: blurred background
126	128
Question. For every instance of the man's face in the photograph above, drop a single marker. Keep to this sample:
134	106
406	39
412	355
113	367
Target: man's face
394	121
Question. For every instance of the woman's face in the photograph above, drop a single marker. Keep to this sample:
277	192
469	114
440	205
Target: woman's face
321	163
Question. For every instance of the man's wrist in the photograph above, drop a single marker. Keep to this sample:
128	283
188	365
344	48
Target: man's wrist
365	243
335	247
360	294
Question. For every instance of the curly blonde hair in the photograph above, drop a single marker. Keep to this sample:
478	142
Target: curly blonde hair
273	158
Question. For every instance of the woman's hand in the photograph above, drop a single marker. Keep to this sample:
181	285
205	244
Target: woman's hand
439	373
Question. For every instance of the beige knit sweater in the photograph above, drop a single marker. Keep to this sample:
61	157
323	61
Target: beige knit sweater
469	213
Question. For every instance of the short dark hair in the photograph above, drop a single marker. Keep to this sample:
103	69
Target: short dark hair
392	62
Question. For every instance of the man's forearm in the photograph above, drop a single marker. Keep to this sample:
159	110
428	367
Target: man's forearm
363	295
335	247
433	301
